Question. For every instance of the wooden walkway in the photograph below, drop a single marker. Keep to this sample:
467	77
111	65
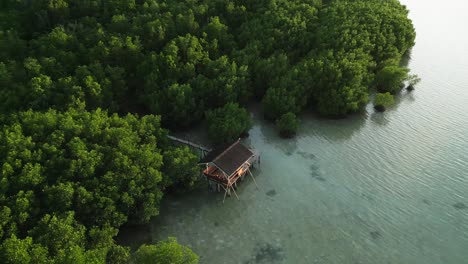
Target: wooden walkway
202	149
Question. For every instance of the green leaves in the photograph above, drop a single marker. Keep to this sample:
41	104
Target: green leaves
380	28
390	79
278	101
287	125
165	252
228	123
59	197
118	255
14	250
72	178
281	26
142	56
180	168
412	80
382	101
59	232
340	83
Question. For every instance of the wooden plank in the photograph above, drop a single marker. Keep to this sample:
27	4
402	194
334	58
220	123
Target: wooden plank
186	142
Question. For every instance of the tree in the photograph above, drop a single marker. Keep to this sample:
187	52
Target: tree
341	82
11	45
381	29
218	34
287	125
177	103
118	255
281	25
278	101
7	225
14	251
267	72
412	79
390	79
59	232
228	123
165	252
180	59
180	169
70	179
382	101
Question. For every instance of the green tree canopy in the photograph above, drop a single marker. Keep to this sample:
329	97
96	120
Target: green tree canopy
180	168
228	123
179	59
382	101
380	28
287	125
90	172
165	252
390	79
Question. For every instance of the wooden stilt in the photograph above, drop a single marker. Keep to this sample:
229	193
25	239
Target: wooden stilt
253	178
235	193
225	192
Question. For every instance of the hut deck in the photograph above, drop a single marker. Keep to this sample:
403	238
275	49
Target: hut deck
213	173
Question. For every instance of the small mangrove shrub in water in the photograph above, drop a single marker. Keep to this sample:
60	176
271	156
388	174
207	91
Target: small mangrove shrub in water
413	79
287	125
382	101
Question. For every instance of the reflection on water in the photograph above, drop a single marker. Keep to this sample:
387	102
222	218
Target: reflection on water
374	188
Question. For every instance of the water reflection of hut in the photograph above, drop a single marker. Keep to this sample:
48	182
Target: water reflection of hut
225	165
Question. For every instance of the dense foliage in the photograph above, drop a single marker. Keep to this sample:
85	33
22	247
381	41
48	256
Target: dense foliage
287	125
72	170
390	79
70	179
165	252
181	58
382	101
180	168
228	123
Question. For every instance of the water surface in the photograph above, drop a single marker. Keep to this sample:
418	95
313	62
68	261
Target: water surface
374	188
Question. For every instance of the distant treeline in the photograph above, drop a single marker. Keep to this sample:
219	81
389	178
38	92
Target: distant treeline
77	158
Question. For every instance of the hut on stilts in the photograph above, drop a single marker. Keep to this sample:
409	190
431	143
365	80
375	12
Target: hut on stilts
226	165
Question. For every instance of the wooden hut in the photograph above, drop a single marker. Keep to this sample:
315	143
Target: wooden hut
225	165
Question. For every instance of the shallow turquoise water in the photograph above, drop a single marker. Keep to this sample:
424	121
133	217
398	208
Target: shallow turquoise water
374	188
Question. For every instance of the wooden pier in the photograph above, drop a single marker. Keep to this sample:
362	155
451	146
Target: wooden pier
224	165
203	150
